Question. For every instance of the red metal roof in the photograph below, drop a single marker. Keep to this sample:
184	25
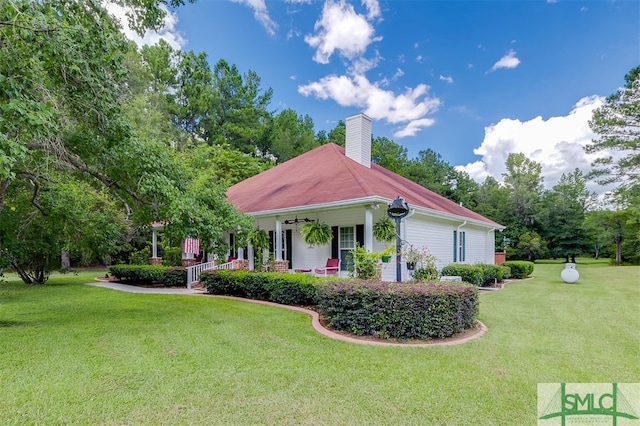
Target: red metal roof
326	175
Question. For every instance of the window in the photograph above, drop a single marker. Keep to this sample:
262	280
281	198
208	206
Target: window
347	243
459	246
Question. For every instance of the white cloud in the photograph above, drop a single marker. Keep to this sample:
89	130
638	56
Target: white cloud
447	79
261	14
340	29
419	59
357	91
373	8
556	143
168	31
414	127
507	61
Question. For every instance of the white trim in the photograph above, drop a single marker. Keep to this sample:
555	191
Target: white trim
368	229
375	199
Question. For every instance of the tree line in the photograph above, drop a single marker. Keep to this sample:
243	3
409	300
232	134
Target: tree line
99	138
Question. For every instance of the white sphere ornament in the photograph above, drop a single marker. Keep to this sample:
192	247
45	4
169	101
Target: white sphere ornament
569	275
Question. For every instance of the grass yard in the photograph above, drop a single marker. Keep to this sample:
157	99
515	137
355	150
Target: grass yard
76	354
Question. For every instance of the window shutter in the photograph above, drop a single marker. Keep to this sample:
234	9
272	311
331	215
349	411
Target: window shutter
463	240
334	243
360	235
289	243
232	245
271	243
455	245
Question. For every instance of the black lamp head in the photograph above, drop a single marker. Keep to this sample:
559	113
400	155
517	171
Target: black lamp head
398	208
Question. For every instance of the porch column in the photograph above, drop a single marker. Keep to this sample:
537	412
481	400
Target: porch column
250	255
241	253
278	247
154	243
368	229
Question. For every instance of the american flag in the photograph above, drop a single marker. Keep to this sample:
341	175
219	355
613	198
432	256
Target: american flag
191	245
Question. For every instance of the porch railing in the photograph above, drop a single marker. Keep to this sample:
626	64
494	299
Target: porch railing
193	272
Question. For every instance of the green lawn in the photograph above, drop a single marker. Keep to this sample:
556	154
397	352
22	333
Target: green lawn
76	354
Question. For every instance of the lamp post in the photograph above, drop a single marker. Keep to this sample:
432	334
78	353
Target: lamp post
396	211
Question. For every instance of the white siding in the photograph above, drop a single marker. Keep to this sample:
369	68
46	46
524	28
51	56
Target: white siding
417	230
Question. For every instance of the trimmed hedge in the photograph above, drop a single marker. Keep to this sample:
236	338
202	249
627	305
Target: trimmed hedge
174	277
519	268
287	289
480	274
398	310
150	274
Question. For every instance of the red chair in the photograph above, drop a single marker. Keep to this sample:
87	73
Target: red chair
331	268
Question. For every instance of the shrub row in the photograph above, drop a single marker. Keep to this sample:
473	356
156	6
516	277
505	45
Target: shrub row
480	274
519	268
150	274
287	289
402	311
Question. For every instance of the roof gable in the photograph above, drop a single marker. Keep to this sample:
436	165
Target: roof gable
325	175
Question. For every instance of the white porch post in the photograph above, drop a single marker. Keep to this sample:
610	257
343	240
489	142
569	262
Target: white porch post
278	247
241	253
154	243
251	256
368	229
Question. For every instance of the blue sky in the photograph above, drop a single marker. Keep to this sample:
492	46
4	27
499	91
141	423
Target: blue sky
471	80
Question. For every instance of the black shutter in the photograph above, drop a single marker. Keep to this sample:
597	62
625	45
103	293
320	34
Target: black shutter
289	242
232	248
360	235
334	243
455	246
271	243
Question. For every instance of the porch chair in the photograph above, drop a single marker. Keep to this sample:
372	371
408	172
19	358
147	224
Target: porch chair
331	268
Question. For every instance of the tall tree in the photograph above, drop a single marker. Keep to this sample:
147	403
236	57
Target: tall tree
617	124
238	113
338	134
63	81
389	154
430	171
523	181
291	135
564	208
490	200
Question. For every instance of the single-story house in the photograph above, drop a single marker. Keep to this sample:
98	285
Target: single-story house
344	189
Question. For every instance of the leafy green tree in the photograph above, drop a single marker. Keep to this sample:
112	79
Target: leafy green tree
523	181
338	134
238	113
389	154
430	171
68	113
192	102
615	231
564	210
617	124
291	135
62	215
491	199
597	235
531	246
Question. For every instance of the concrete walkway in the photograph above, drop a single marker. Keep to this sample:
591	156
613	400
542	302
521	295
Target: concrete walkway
146	290
315	318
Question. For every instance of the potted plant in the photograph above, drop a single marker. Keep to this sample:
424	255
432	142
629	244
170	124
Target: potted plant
419	257
316	233
384	230
386	254
259	239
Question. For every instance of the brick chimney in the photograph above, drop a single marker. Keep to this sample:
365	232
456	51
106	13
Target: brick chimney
358	139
